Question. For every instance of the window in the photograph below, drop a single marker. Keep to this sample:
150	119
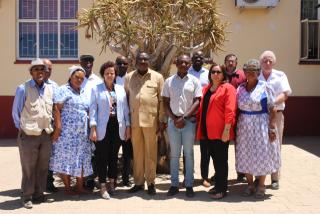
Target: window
47	29
310	30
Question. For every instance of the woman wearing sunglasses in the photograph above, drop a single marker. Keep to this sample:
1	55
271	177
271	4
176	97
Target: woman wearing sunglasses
216	118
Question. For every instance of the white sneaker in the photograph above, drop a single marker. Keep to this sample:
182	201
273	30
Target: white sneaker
103	191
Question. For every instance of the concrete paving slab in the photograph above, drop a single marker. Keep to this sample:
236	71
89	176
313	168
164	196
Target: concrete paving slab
299	188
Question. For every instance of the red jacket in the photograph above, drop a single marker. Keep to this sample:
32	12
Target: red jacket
221	110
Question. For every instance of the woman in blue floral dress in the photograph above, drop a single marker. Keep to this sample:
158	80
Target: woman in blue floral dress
257	150
71	154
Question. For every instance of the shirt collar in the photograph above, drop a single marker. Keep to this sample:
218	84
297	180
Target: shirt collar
34	84
71	89
191	69
176	76
145	75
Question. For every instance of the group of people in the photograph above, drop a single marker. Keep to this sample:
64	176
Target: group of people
63	128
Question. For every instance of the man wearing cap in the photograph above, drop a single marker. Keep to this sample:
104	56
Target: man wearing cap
91	81
235	78
280	84
32	116
121	68
50	186
143	87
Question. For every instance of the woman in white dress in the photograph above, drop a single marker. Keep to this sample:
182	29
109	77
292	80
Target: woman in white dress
257	153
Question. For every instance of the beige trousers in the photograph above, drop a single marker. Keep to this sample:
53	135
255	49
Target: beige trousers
280	125
144	143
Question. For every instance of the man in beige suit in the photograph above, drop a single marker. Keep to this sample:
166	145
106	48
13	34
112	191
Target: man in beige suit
143	87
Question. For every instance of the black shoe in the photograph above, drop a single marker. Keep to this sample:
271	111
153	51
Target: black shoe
126	183
51	188
90	184
136	188
213	179
256	183
189	192
241	178
172	191
151	189
42	199
27	204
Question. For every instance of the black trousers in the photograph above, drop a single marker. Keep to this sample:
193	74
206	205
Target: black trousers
107	151
127	153
204	160
50	178
218	150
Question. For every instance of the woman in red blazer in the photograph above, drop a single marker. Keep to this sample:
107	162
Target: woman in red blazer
216	118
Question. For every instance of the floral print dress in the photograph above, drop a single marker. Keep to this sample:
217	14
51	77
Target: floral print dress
255	154
71	153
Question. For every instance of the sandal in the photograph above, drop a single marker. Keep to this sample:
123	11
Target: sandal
248	191
218	195
260	193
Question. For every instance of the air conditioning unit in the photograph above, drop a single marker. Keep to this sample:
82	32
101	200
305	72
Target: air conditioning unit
256	3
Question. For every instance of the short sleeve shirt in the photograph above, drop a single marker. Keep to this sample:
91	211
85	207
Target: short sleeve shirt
278	81
181	92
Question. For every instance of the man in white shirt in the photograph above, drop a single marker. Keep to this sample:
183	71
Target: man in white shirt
121	70
279	82
181	96
201	74
121	67
91	80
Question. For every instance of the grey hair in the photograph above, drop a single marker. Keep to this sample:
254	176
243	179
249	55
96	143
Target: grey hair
268	53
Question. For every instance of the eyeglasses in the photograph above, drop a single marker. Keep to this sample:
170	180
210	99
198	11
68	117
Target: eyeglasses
213	72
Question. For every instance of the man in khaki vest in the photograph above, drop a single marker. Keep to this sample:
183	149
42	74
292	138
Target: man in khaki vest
32	116
143	87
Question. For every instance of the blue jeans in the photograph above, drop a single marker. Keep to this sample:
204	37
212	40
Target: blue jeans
181	137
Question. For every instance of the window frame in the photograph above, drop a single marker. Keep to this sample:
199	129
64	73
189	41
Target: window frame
304	39
37	21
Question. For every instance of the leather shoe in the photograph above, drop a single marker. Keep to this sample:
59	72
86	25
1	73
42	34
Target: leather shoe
42	199
189	192
173	191
27	204
151	189
136	188
51	188
241	178
126	183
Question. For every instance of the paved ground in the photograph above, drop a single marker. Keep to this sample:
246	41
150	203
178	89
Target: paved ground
299	191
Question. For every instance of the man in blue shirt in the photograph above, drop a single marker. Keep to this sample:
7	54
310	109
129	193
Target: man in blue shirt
32	116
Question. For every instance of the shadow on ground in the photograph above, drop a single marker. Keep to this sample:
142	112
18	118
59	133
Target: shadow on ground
308	144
